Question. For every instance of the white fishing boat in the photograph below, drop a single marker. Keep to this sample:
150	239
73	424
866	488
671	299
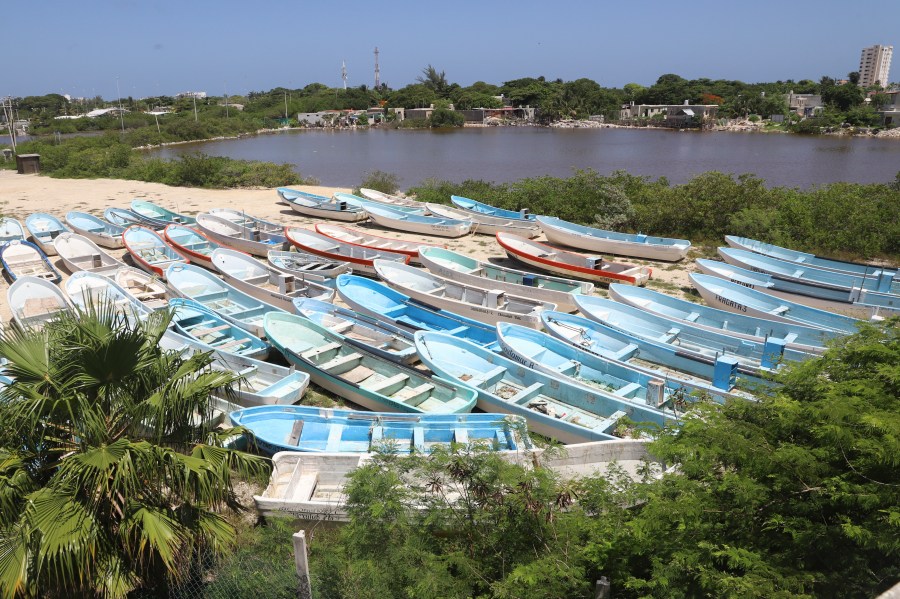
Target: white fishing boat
488	225
308	266
375	242
44	229
239	217
392	200
11	229
482	304
24	259
263	282
80	253
413	223
247	239
34	302
149	290
612	242
101	232
320	206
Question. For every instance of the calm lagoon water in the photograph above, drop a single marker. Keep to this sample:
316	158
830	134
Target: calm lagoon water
502	154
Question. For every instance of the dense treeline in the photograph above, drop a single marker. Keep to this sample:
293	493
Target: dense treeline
106	156
795	495
837	219
554	98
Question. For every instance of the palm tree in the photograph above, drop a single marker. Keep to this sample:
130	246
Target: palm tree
111	478
435	81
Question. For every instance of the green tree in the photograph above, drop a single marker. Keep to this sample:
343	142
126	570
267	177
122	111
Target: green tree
435	81
110	477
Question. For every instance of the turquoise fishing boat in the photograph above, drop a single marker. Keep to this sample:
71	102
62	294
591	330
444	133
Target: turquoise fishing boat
121	217
156	215
796	336
197	322
44	229
359	376
375	299
196	246
313	429
391	218
552	406
363	203
471	205
101	232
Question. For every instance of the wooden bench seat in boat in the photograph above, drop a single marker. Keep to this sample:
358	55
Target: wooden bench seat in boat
670	335
293	437
342	327
200	332
231	344
488	378
779	310
609	422
627	390
413	396
627	352
312	353
339	361
387	382
527	394
692	317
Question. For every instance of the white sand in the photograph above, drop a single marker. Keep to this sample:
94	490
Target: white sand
21	195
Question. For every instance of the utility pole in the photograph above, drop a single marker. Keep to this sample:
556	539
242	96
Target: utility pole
377	70
344	74
8	113
121	114
194	96
226	100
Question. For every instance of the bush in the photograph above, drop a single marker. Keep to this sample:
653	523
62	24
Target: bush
380	181
443	117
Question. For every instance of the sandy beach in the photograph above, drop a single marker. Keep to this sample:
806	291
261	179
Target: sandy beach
21	195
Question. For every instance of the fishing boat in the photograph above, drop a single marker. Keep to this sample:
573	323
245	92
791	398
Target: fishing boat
260	383
248	221
487	225
653	388
389	199
197	322
121	217
88	290
24	259
101	232
375	299
34	302
803	259
314	429
755	358
552	406
150	251
571	264
733	296
80	253
373	335
306	266
878	281
359	376
413	223
11	229
238	237
155	215
263	282
636	245
361	259
374	242
320	206
363	203
470	205
44	229
465	269
195	245
796	336
484	304
144	287
655	359
856	303
235	306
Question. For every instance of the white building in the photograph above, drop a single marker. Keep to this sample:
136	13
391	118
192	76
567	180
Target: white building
875	65
197	95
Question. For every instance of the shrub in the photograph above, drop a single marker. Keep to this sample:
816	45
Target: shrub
381	181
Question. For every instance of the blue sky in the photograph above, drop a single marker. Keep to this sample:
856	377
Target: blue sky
82	48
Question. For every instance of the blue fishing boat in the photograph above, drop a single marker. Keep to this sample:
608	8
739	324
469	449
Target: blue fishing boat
194	320
879	281
155	215
196	246
802	258
236	307
612	242
381	302
755	358
24	259
309	428
354	200
553	407
310	204
121	217
735	296
372	334
857	303
471	205
101	232
724	372
359	376
44	229
553	356
150	251
391	218
796	336
11	229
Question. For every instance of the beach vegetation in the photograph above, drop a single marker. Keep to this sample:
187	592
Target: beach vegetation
380	181
112	477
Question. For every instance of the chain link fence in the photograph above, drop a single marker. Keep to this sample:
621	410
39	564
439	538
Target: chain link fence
257	576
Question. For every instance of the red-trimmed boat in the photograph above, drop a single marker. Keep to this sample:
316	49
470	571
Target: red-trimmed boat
359	257
150	251
374	242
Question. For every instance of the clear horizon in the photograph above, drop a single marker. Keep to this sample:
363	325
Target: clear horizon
84	49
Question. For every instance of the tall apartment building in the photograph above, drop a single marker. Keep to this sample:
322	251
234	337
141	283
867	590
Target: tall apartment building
875	65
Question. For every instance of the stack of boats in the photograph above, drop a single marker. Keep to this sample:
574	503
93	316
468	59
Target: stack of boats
423	346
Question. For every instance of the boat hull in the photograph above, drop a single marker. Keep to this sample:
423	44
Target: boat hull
606	245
